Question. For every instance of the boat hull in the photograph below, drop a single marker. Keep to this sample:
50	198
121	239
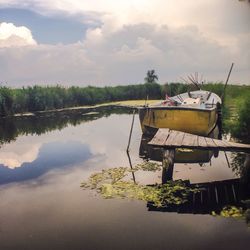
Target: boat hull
194	121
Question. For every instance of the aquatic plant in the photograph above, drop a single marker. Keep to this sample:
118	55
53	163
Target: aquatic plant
110	183
232	211
148	166
237	212
116	183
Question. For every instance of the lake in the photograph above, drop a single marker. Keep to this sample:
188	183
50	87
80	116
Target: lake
44	159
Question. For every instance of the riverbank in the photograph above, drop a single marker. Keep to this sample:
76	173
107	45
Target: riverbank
125	104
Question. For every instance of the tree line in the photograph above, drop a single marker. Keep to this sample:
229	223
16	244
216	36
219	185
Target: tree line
38	98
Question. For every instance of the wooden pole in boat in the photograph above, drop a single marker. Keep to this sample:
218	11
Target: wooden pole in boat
229	73
131	129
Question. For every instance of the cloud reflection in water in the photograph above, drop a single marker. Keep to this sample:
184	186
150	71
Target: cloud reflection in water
51	155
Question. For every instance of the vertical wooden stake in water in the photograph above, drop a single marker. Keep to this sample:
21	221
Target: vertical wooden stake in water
131	129
131	166
167	165
227	159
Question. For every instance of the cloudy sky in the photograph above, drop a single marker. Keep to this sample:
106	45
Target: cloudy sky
111	42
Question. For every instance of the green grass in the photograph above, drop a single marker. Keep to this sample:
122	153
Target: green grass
236	112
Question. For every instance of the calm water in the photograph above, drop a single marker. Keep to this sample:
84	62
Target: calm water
43	162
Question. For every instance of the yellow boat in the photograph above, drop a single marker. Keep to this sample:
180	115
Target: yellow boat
193	112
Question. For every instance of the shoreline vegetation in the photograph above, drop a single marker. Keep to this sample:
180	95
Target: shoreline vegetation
122	104
29	101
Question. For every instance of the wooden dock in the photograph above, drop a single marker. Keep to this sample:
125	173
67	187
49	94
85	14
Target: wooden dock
175	139
213	196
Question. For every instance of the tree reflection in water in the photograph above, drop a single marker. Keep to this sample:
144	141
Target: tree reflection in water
12	127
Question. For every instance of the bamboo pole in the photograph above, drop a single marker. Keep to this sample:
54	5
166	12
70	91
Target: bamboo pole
229	73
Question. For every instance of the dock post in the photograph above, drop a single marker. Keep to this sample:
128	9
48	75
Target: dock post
167	165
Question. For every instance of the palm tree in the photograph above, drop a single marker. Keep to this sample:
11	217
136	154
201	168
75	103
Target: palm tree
151	76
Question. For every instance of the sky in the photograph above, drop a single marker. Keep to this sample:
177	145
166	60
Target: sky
114	42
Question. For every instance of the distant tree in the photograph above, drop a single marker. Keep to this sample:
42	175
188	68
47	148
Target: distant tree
151	76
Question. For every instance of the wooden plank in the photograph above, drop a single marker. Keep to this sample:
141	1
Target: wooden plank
160	137
202	142
216	144
238	145
226	143
188	140
195	141
172	137
178	139
210	143
219	143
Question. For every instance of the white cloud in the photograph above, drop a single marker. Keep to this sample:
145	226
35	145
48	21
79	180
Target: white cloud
123	56
217	19
13	36
46	64
174	37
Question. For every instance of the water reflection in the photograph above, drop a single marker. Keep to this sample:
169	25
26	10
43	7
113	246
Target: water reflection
12	127
50	156
53	212
213	196
33	155
227	197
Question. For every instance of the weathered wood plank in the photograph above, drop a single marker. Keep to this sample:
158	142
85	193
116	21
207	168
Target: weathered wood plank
179	138
170	138
188	140
226	143
160	137
202	142
196	139
238	145
210	142
219	143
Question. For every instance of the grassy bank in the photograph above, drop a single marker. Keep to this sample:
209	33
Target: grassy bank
125	104
236	113
39	98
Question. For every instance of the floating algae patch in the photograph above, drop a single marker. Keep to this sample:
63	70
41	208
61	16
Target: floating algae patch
231	211
236	212
112	183
107	176
116	183
148	166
